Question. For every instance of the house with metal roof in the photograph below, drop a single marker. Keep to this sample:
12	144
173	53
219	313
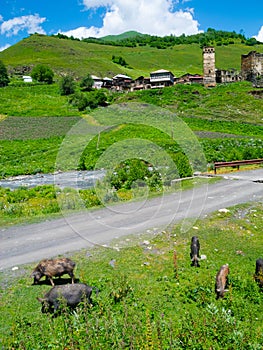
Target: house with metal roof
161	78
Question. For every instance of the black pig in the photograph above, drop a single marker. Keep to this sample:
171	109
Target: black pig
68	294
259	272
194	253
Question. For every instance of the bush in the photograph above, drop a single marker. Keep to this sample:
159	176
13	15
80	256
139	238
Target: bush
43	74
130	172
119	60
91	99
28	202
90	198
79	100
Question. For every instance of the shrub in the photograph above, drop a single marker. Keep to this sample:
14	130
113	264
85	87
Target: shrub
119	60
129	172
90	198
90	100
43	74
79	100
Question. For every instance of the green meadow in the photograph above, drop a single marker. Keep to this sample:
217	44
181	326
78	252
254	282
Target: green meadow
149	295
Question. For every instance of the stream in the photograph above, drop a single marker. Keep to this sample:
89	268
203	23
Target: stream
73	179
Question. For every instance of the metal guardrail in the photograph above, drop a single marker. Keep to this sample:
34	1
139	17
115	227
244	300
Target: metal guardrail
236	163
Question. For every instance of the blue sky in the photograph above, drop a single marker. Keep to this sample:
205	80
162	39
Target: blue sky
84	18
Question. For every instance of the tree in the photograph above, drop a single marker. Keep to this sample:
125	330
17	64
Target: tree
87	83
119	60
4	80
42	74
67	85
101	97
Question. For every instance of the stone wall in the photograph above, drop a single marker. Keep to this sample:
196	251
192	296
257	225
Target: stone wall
252	66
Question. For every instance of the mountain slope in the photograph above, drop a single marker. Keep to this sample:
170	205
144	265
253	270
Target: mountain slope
79	57
126	35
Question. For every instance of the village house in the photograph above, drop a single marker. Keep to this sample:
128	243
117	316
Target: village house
189	79
227	76
27	79
252	68
107	83
161	78
97	82
141	83
121	82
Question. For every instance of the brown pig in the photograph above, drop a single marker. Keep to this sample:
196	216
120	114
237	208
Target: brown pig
53	268
221	281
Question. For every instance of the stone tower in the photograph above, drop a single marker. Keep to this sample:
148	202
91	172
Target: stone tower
209	70
252	67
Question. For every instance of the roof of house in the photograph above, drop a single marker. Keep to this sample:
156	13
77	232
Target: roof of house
94	77
122	76
27	78
161	71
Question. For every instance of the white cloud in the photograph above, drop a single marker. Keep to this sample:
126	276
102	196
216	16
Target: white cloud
2	48
29	23
259	37
156	17
82	32
97	3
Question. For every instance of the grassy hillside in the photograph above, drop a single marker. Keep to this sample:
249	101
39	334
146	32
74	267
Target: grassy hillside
237	102
126	35
226	119
80	58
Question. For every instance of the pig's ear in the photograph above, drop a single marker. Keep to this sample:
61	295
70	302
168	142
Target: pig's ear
41	299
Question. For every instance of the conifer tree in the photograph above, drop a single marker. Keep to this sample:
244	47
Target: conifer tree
4	79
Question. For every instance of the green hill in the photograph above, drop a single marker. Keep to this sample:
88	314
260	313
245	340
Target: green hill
126	35
80	57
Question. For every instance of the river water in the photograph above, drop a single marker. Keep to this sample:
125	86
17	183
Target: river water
72	179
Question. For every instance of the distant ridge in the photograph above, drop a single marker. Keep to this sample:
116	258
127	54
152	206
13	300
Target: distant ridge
125	35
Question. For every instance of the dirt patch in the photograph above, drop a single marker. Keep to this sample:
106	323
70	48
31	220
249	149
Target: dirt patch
215	135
